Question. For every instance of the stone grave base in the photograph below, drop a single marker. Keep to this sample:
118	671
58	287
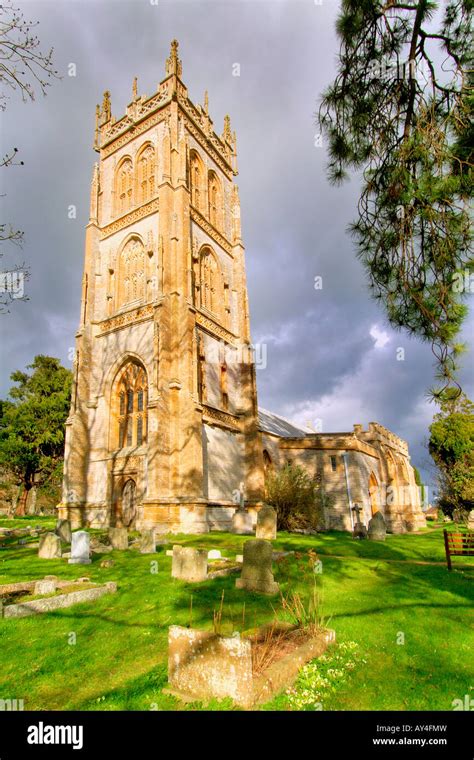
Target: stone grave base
203	666
221	572
38	606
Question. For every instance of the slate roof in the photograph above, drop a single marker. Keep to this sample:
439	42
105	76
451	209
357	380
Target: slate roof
269	422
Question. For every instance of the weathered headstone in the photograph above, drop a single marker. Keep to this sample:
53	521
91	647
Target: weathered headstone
49	546
80	548
257	568
470	520
214	554
242	522
148	542
63	530
360	531
189	564
118	538
266	523
377	529
44	587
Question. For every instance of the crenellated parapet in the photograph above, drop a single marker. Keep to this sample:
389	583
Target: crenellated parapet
112	133
378	433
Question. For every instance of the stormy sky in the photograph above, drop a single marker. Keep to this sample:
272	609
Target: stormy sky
331	359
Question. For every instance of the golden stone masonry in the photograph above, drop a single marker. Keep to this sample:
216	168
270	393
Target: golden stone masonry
164	429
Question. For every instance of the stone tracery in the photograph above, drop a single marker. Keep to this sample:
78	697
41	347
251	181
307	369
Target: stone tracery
146	183
132	274
124	186
128	407
211	282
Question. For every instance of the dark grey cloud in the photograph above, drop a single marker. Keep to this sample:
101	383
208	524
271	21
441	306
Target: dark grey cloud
322	360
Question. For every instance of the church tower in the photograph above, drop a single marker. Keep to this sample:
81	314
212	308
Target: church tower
163	425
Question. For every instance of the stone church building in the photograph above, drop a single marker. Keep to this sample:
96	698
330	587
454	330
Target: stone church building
164	428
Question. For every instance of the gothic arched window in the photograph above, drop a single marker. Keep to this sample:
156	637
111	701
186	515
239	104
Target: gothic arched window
129	406
146	174
124	186
211	282
132	274
197	181
215	199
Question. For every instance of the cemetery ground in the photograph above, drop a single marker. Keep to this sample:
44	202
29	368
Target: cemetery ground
404	625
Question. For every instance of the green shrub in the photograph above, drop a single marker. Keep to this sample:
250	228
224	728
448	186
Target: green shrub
298	499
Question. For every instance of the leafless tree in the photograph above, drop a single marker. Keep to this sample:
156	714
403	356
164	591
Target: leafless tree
26	69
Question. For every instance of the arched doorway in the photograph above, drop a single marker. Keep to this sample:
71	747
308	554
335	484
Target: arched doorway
373	493
129	504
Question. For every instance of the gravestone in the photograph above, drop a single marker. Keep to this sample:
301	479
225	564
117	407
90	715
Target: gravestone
118	538
470	520
44	587
63	530
360	531
49	546
257	573
266	523
147	542
80	548
214	554
242	522
189	564
377	529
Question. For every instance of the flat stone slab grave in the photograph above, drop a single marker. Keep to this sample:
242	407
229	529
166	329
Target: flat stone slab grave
203	666
45	586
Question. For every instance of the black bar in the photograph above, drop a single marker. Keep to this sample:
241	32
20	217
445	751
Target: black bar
139	734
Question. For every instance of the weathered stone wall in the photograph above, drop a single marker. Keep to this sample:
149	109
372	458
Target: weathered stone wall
369	468
223	453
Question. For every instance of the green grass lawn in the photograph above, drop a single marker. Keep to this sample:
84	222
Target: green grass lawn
371	596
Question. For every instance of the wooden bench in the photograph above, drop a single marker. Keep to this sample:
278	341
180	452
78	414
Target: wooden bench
458	545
